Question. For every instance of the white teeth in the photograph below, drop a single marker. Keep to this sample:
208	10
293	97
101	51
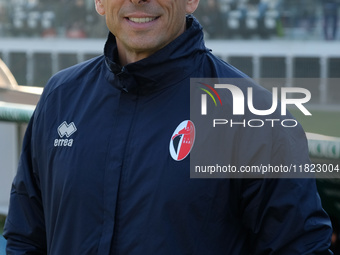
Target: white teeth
141	20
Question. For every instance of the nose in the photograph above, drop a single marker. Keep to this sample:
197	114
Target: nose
139	2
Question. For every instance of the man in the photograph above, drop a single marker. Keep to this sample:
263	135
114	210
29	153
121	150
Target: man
330	20
96	175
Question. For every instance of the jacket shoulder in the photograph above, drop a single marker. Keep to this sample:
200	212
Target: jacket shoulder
223	68
74	73
72	76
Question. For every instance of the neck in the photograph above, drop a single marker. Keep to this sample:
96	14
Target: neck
126	56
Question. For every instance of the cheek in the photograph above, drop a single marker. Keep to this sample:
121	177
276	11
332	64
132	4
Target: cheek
111	22
177	22
176	13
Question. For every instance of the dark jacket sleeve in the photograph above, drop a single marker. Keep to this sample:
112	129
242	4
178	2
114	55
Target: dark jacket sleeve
285	215
25	227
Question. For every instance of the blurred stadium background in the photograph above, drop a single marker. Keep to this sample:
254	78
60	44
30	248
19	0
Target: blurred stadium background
221	18
276	42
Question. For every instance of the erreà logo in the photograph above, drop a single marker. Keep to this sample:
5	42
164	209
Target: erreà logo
182	140
65	130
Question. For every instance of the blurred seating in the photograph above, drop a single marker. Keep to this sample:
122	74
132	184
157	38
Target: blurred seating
241	18
221	19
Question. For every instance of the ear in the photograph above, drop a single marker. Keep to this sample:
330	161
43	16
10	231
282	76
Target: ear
191	6
100	7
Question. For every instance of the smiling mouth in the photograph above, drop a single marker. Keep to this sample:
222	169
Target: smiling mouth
142	20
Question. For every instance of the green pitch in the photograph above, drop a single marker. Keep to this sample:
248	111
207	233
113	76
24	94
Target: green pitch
321	122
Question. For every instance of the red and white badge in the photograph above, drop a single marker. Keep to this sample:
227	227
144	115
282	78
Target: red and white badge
182	140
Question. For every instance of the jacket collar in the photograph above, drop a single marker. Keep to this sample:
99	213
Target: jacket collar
169	65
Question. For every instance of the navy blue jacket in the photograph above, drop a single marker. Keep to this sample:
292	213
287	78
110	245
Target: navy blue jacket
96	176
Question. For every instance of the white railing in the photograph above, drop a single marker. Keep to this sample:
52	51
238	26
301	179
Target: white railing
33	61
